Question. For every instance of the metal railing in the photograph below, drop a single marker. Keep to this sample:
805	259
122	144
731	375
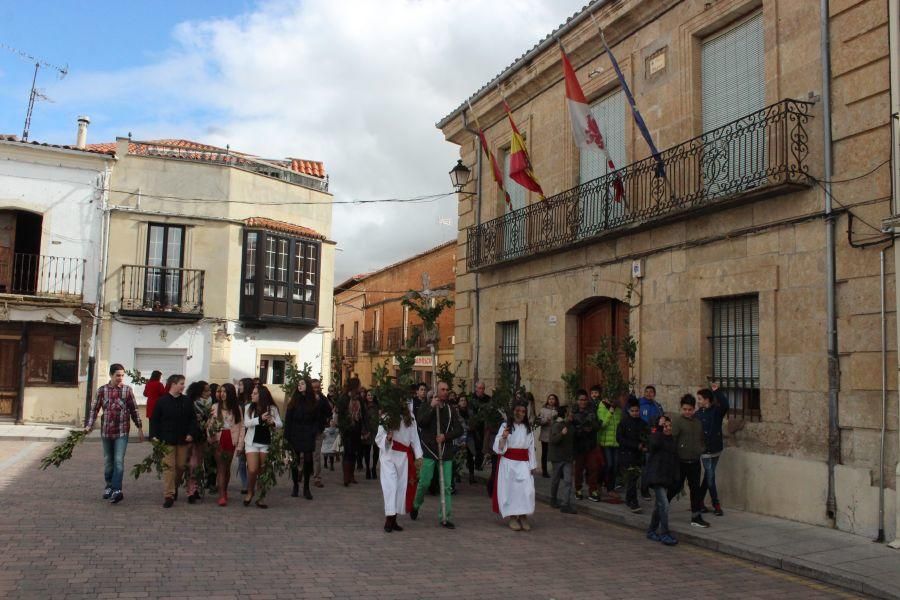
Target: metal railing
371	341
162	290
394	339
350	347
764	150
40	275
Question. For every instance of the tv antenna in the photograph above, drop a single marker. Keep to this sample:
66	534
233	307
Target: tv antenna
35	93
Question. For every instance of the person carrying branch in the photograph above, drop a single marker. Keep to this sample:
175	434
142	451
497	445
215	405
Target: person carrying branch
439	425
399	451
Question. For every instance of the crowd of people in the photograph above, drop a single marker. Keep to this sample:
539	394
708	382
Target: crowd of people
613	447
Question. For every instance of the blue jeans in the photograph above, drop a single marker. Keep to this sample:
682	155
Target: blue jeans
660	518
114	460
709	479
611	468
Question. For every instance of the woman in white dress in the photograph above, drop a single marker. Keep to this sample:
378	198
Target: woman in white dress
399	450
514	489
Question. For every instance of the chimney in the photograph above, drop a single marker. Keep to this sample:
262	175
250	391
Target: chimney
81	139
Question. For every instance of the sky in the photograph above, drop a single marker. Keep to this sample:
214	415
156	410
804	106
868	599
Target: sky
357	84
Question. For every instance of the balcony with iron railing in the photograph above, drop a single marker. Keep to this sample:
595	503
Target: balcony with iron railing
43	276
762	154
394	339
371	341
350	347
161	292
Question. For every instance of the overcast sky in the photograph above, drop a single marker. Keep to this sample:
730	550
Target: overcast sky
357	84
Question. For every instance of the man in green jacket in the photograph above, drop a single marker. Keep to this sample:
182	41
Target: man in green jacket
437	448
688	434
609	414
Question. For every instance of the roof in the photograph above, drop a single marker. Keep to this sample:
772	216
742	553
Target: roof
282	227
5	137
351	281
525	58
190	150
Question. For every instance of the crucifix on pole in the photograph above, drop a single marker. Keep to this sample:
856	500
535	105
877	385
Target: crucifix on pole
428	304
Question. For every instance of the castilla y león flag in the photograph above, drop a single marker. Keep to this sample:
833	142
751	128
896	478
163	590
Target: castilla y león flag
520	169
584	125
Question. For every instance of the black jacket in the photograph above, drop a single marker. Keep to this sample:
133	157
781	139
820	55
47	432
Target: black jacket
662	461
630	435
712	418
586	426
451	427
562	445
174	419
301	424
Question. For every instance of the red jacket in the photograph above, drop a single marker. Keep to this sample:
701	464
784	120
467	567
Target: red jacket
152	391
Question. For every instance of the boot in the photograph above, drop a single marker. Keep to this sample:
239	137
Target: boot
306	492
388	526
348	473
295	476
394	525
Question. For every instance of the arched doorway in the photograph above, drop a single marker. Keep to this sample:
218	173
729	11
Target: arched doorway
599	319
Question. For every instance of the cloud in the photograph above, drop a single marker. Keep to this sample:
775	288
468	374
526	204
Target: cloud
354	83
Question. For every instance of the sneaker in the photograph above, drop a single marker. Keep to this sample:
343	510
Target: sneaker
668	540
414	514
594	497
618	488
568	510
193	497
448	525
168	502
646	497
579	495
653	536
699	522
703	509
107	493
116	497
717	510
636	509
554	503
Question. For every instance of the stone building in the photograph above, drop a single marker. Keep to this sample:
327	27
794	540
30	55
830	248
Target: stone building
371	324
726	248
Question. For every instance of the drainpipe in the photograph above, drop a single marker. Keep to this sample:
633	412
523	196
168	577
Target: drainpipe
834	432
101	288
477	335
880	538
894	44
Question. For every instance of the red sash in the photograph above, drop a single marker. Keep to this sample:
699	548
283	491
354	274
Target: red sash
520	454
411	480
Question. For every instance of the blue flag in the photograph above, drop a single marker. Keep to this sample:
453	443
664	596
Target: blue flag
660	170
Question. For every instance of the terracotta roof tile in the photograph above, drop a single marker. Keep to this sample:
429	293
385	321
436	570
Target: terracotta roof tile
282	227
191	150
89	149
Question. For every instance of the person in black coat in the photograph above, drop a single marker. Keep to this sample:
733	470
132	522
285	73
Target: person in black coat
301	425
661	474
174	423
631	435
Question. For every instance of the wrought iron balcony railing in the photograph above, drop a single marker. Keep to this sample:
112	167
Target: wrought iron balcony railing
40	275
755	155
350	347
394	339
371	341
161	291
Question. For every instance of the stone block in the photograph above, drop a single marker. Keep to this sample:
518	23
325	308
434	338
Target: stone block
766	242
804	269
679	261
862	371
808	236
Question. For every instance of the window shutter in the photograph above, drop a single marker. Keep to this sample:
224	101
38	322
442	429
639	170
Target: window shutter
40	355
733	74
518	195
609	112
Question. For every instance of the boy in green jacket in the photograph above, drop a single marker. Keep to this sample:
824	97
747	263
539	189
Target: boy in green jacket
609	414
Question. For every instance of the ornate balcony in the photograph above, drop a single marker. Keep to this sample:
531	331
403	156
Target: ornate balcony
149	291
761	154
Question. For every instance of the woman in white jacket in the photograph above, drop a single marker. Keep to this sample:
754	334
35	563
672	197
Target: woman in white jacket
260	418
514	489
399	449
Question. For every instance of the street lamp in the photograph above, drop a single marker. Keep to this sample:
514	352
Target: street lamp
459	175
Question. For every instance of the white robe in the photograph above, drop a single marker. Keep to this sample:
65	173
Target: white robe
395	466
515	483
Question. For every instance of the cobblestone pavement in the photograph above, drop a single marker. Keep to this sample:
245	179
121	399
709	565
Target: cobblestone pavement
60	540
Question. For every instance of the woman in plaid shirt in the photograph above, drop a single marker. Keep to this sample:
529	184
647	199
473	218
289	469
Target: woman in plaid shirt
117	401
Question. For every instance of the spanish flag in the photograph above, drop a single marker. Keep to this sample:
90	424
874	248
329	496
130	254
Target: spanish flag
520	169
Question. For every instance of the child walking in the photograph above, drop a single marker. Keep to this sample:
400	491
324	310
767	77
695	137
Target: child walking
661	474
561	451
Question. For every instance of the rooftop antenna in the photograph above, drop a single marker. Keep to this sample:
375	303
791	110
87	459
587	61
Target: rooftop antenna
35	93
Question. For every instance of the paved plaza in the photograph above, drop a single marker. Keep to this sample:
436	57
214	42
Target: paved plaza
60	540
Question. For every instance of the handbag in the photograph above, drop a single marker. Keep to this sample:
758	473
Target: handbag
226	444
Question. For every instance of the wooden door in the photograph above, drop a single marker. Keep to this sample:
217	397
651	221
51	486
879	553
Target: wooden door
9	375
7	249
603	319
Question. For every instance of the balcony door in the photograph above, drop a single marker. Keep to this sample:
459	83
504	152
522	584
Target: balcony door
598	207
165	256
733	87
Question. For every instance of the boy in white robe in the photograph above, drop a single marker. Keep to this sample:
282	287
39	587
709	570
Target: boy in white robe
514	489
400	449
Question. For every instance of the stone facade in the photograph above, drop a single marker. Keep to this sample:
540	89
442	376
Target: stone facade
371	323
770	246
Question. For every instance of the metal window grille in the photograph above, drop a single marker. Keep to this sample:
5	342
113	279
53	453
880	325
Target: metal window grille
509	347
735	352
